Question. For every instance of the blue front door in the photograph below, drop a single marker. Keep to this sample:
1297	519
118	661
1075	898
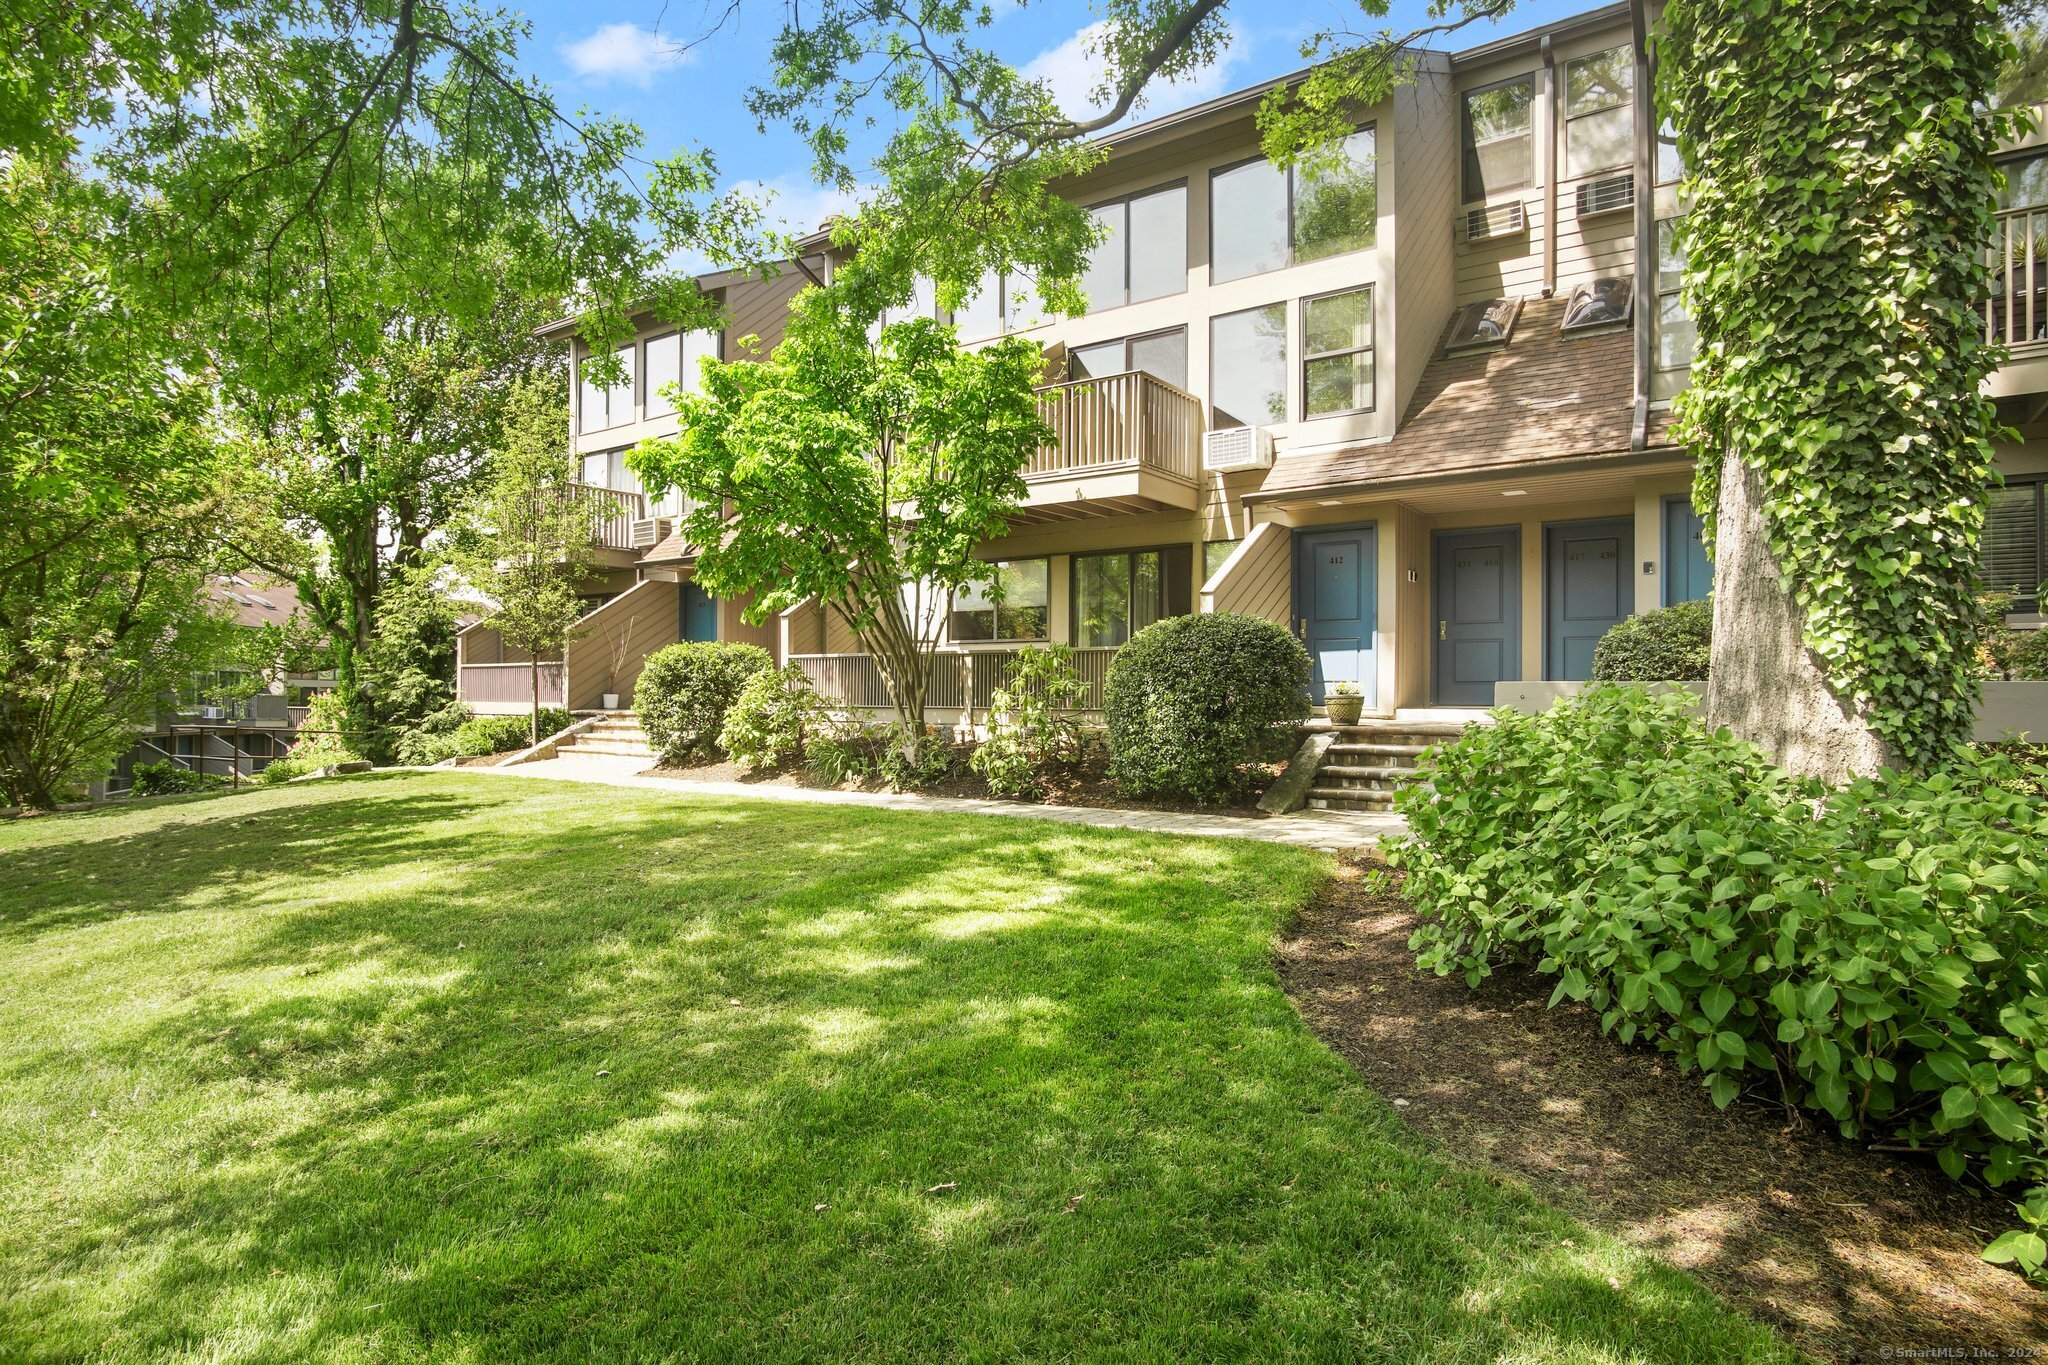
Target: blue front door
1587	590
699	615
1478	585
1688	576
1336	602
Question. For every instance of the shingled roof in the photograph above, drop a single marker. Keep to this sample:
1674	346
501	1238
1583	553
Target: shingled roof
1541	398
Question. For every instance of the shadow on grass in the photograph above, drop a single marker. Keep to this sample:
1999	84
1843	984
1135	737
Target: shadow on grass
466	1068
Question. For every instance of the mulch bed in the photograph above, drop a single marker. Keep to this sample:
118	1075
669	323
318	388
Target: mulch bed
1854	1254
1085	784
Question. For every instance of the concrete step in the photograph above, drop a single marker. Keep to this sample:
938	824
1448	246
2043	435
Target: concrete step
1361	771
1325	798
1379	750
1386	730
583	744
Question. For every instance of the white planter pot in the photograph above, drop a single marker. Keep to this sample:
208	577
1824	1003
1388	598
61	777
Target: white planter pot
611	701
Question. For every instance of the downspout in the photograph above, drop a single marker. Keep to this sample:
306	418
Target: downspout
1547	166
1646	218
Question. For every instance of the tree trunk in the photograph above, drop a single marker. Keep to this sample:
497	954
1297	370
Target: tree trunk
1763	682
533	724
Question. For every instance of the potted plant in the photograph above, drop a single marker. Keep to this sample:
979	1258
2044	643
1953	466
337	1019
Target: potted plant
1343	703
610	701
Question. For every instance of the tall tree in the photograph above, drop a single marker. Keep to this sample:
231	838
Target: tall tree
527	541
858	471
1838	214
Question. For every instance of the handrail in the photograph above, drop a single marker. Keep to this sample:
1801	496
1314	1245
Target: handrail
1132	419
614	511
2017	311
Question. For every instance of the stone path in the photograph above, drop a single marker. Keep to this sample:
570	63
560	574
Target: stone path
1334	830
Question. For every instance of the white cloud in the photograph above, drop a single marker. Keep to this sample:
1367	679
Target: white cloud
795	205
624	52
1073	70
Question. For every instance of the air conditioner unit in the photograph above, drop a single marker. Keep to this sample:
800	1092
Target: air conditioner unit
650	531
1237	448
213	713
1612	195
1495	221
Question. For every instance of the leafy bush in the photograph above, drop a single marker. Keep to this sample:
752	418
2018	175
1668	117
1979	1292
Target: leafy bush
168	779
1877	953
685	690
325	739
909	761
486	735
1030	723
285	769
433	739
1671	644
1192	698
768	723
838	756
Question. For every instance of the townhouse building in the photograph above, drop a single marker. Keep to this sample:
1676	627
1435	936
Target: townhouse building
1411	401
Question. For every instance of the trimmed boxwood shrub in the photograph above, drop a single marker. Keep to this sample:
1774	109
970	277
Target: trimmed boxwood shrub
1191	699
1873	953
1670	644
685	690
485	735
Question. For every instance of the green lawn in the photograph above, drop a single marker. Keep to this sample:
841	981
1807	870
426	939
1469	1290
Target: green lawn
461	1067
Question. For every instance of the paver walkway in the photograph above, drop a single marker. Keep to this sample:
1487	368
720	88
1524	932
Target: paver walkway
1327	829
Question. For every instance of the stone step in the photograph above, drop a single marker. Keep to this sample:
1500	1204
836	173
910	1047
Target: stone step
583	744
1352	770
1322	798
1382	750
1380	729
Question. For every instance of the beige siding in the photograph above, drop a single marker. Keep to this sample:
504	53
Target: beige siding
611	644
1426	188
760	308
734	629
1257	579
805	629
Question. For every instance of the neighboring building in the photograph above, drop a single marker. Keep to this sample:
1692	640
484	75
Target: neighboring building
1414	408
218	724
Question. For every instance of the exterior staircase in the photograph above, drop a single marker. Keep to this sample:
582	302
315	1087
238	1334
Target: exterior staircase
1368	762
614	732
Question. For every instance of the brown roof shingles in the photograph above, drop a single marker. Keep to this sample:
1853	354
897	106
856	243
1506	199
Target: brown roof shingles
1539	398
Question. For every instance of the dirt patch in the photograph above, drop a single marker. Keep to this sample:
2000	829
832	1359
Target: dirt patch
1855	1255
1085	784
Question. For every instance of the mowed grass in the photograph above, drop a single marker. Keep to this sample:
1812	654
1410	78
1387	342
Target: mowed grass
456	1067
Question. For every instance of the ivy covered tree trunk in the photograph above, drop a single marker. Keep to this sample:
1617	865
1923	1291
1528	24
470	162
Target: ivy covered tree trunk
1840	198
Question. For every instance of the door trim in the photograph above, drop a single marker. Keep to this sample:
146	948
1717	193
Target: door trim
1624	568
1512	532
1297	557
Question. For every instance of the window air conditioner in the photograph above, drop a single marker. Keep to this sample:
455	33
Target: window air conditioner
1237	448
1495	221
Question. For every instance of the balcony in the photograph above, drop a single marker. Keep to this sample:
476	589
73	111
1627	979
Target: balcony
1126	442
614	510
507	689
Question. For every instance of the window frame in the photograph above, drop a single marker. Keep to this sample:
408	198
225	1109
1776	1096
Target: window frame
635	372
1569	118
995	611
2028	603
1371	342
1127	342
1286	404
1130	575
1289	174
1466	142
1124	202
1656	316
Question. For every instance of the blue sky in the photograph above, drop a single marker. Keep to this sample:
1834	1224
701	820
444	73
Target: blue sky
616	57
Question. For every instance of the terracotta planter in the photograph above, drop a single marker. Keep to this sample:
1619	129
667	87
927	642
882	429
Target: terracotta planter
1343	710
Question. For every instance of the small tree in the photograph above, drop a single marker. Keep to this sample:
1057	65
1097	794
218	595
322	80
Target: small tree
858	471
528	539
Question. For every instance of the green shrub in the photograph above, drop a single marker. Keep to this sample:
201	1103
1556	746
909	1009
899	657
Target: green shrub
168	779
685	690
285	769
837	756
1192	698
2004	653
324	740
768	723
1671	644
1877	953
433	739
910	761
486	735
1030	723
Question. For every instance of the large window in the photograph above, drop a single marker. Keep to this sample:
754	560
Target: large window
1498	148
676	359
1248	367
2014	551
1214	552
1117	595
1676	337
598	407
1144	254
607	469
1336	354
1015	610
1262	217
1599	112
1161	354
2026	182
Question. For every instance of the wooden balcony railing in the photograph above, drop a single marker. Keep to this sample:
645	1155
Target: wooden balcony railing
615	510
502	684
1129	420
2017	312
968	677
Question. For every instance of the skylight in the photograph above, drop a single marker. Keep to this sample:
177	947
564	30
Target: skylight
1601	303
1487	323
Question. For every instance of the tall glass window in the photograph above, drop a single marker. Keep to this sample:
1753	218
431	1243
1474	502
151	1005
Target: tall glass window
1119	594
1676	337
1163	355
1599	111
980	314
664	367
598	407
1248	367
1016	609
1264	218
1336	354
1498	149
1144	250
